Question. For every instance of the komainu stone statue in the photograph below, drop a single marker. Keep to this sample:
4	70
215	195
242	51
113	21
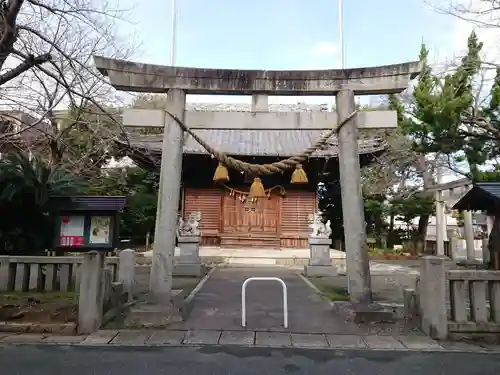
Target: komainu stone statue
189	228
319	228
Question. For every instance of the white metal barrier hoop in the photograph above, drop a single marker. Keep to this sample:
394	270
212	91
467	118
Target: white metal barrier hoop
244	302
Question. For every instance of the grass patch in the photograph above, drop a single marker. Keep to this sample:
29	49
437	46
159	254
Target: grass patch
335	293
47	307
42	297
330	288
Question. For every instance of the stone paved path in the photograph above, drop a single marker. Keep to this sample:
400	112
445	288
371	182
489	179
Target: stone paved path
217	306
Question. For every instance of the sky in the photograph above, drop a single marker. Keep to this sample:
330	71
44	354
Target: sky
298	34
288	34
292	34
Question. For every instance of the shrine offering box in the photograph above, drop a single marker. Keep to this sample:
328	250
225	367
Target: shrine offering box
87	223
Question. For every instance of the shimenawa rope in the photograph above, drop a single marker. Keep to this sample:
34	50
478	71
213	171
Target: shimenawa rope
264	169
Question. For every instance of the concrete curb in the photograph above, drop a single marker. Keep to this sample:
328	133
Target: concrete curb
316	290
187	303
146	346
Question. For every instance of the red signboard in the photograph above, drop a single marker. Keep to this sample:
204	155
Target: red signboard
71	240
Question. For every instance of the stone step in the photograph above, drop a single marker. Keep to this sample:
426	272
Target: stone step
281	253
255	261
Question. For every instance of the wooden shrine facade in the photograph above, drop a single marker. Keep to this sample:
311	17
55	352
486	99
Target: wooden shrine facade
274	222
229	216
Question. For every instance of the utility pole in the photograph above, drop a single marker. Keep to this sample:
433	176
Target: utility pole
174	31
341	33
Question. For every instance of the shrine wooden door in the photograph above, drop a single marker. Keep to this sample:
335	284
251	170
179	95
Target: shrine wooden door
251	224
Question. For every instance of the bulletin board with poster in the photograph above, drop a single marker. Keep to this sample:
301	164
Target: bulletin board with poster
88	223
72	230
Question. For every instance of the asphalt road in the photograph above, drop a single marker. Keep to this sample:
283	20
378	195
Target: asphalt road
51	360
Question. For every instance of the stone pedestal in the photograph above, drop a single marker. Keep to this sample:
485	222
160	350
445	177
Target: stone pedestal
189	261
320	263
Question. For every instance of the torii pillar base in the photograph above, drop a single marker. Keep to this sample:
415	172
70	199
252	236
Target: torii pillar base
364	313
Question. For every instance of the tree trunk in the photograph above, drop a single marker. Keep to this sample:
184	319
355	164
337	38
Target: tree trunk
420	239
424	219
55	152
8	28
390	232
379	226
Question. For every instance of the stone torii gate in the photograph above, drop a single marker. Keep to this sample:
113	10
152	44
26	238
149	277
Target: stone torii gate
179	81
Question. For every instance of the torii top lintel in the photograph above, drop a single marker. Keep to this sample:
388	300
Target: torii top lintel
131	76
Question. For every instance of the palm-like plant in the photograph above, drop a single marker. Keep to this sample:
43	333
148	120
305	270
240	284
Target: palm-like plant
26	185
31	180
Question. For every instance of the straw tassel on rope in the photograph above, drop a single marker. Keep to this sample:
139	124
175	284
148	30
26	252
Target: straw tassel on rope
257	189
221	173
299	175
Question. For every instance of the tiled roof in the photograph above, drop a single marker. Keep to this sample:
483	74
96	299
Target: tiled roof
89	203
279	143
492	188
484	196
243	107
231	107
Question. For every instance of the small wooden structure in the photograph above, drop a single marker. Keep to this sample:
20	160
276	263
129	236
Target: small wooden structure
86	223
485	196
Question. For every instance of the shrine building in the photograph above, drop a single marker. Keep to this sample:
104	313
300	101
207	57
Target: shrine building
239	210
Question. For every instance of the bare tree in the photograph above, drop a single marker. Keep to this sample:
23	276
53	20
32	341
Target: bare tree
46	50
480	13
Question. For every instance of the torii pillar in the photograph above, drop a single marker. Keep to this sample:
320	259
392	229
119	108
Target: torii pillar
344	83
357	260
